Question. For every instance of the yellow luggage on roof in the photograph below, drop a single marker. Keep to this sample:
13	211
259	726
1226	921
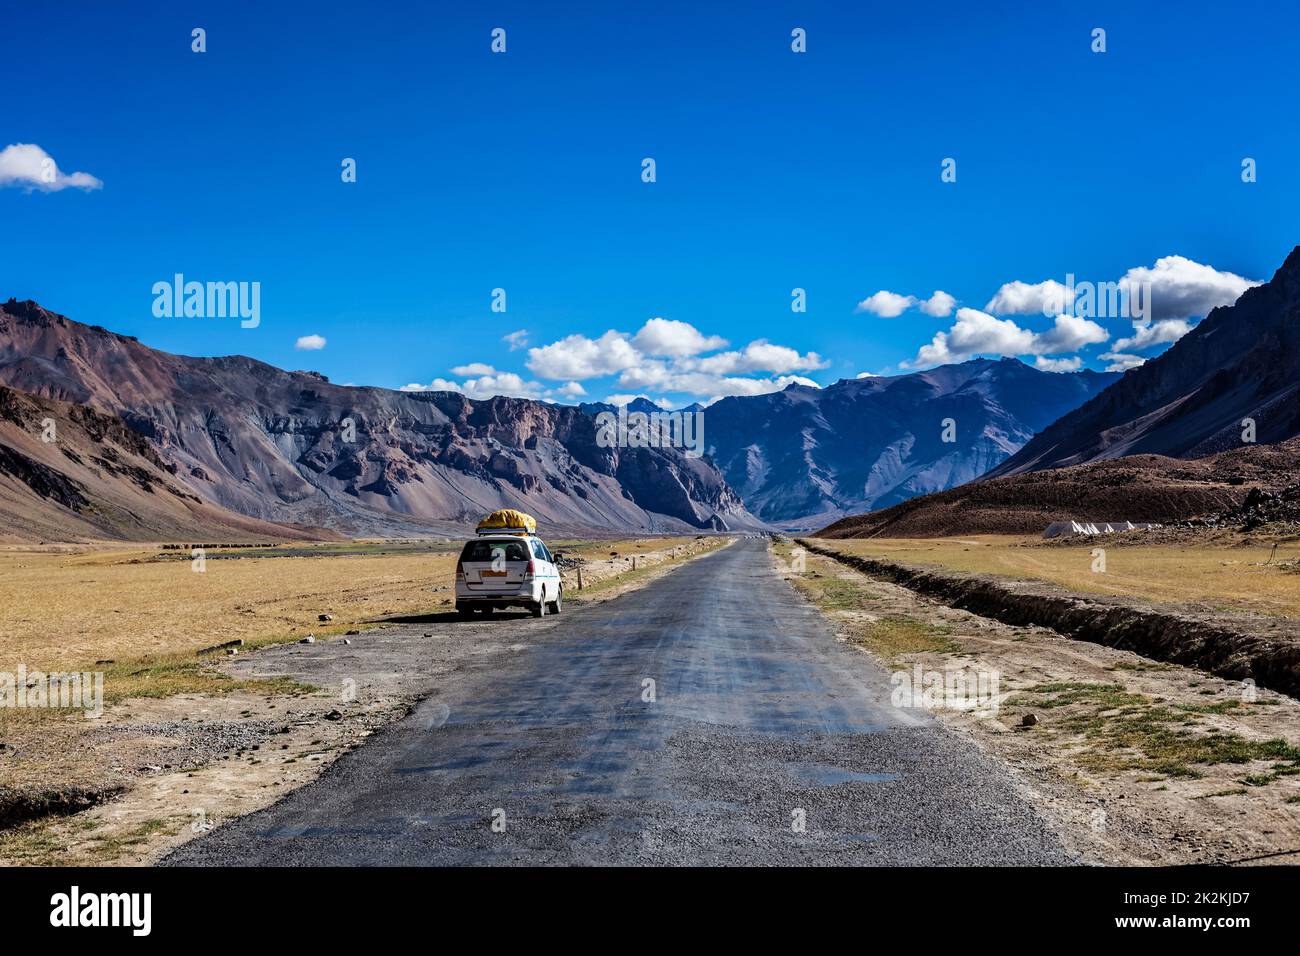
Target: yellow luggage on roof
508	520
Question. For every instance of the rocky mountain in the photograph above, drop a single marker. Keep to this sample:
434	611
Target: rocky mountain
70	473
292	447
806	456
1242	361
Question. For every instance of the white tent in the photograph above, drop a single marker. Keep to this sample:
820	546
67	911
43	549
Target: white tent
1059	529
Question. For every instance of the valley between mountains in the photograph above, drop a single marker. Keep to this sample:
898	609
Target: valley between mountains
316	675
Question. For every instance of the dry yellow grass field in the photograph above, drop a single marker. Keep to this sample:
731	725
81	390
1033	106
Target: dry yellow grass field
1226	577
65	609
138	615
62	610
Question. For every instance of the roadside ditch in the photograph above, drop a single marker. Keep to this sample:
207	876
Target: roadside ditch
1235	647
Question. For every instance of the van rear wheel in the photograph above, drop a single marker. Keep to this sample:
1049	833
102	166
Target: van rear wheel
557	604
539	609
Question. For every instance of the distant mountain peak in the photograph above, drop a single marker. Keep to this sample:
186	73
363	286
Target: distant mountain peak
800	458
1290	266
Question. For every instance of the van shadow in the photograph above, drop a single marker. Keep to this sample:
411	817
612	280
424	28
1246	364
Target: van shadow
448	617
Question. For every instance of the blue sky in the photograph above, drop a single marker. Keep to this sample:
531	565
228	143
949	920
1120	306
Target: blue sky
522	171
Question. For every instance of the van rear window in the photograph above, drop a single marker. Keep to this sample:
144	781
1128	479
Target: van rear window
487	550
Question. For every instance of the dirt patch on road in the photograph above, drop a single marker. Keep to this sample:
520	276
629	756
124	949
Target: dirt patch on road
1132	761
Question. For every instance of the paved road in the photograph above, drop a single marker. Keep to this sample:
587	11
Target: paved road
759	718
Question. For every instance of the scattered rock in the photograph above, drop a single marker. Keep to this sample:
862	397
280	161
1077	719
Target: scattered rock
309	639
224	646
325	617
1029	720
353	633
334	715
1263	507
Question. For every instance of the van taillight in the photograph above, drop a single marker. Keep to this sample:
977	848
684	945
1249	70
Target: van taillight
460	571
531	569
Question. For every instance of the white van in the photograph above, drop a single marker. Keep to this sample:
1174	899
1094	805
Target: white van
507	570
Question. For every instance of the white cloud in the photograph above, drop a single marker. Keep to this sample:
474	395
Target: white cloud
705	384
662	358
887	305
483	387
1182	288
503	383
939	305
1021	298
670	361
1158	333
1161	299
516	340
1120	362
866	375
975	332
310	343
1166	295
978	333
28	166
473	368
578	357
650	373
676	339
758	356
1068	334
437	385
764	356
629	399
1058	364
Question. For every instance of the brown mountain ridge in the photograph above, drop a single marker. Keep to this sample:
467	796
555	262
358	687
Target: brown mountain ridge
291	447
97	479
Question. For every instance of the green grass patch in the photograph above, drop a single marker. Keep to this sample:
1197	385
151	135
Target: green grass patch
825	588
1127	731
888	637
1066	693
1222	707
159	677
108	848
174	674
1234	792
891	637
837	594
